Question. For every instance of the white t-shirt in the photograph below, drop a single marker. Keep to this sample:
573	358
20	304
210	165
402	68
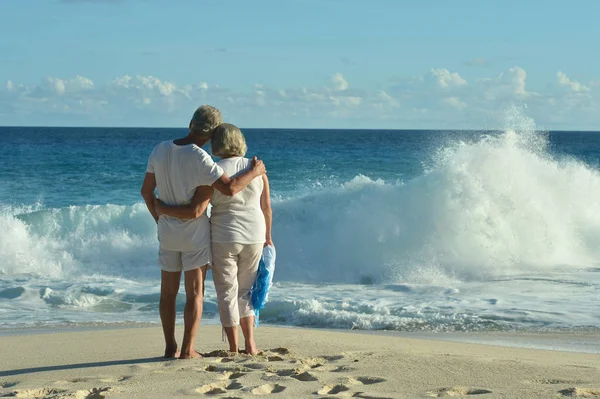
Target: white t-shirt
238	219
179	170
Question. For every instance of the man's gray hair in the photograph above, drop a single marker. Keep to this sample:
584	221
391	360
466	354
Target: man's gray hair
205	120
228	141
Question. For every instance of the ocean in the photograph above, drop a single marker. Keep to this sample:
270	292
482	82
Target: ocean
375	230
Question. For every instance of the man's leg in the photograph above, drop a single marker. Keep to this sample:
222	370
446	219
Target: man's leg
194	289
168	298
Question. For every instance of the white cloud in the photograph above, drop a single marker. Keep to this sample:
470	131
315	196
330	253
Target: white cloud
122	81
437	99
340	84
58	85
444	78
455	102
507	86
515	78
386	99
574	85
145	83
346	101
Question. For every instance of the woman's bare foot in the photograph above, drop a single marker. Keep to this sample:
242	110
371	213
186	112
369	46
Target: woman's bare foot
171	352
251	348
194	354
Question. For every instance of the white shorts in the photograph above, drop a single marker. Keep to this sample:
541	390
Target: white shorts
177	261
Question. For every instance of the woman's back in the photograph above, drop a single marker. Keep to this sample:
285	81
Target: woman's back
239	218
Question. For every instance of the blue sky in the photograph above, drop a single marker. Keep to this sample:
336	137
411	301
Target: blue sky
302	63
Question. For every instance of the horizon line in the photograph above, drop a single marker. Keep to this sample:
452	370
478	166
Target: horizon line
303	128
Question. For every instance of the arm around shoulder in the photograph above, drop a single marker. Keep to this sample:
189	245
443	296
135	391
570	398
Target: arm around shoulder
231	187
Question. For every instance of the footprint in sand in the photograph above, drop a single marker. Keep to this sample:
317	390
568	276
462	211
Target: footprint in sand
342	369
256	366
365	380
213	389
7	384
281	351
313	362
219	388
80	379
551	381
363	395
232	375
220	353
288	372
267	389
304	377
333	358
581	392
39	393
457	391
94	393
332	389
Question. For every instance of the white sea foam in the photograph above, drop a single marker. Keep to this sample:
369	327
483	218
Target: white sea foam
476	242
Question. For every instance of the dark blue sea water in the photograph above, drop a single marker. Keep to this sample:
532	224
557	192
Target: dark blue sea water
400	230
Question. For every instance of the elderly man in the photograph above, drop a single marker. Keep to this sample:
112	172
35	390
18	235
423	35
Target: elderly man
184	173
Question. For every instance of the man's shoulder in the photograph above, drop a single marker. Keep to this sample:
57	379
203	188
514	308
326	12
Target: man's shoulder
202	155
162	145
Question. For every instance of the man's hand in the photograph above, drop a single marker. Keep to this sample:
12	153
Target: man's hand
258	167
269	242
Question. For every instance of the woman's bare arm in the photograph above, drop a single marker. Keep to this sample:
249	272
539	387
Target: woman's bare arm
148	194
265	205
193	210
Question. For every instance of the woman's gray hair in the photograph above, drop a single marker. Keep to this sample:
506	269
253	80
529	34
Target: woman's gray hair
205	120
228	141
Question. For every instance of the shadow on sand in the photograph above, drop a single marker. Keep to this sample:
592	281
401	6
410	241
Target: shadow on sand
9	373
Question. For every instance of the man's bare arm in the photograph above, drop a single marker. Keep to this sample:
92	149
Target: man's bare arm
265	205
231	187
193	210
148	193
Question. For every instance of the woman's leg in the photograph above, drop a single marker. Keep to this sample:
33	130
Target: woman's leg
247	267
225	271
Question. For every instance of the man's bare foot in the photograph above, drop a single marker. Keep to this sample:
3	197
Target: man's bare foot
251	348
171	352
190	355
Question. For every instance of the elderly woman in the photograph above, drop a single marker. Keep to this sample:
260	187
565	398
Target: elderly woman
240	228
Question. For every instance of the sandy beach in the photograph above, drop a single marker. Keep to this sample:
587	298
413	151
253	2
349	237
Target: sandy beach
296	363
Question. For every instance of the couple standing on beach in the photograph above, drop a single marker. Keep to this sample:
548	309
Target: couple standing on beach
231	243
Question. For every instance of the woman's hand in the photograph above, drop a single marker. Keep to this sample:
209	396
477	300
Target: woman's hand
158	206
269	242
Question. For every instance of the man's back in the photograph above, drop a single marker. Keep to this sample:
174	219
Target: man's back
179	170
